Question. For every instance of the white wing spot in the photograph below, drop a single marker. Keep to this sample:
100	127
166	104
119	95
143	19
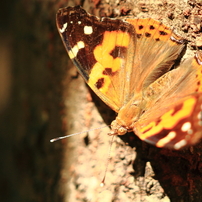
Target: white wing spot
199	115
88	30
63	28
171	135
71	22
80	44
180	144
186	126
162	142
74	51
79	22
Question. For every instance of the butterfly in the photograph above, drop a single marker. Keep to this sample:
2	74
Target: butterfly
131	65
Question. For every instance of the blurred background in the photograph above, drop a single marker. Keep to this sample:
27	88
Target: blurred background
43	97
30	101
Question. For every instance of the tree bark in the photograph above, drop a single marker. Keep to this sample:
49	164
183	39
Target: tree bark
42	97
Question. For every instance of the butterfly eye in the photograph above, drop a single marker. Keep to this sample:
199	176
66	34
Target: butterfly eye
122	131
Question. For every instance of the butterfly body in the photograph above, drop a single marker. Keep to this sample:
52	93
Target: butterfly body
130	65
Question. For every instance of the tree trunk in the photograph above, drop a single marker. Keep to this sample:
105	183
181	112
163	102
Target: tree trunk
42	97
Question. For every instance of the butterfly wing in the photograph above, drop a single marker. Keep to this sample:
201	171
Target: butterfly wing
175	120
157	49
114	60
98	47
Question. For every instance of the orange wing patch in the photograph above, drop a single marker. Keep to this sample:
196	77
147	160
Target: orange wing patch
197	63
178	127
106	64
152	28
169	119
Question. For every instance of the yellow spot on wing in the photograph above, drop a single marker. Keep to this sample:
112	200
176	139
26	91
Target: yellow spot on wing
168	121
105	59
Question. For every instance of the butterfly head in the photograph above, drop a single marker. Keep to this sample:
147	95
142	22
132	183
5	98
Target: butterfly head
118	129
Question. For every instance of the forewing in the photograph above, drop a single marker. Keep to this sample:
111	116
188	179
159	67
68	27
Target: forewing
98	47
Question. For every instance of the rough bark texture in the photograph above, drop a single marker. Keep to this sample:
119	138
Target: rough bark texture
42	97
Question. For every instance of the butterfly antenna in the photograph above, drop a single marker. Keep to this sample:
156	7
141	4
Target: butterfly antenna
108	161
63	137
